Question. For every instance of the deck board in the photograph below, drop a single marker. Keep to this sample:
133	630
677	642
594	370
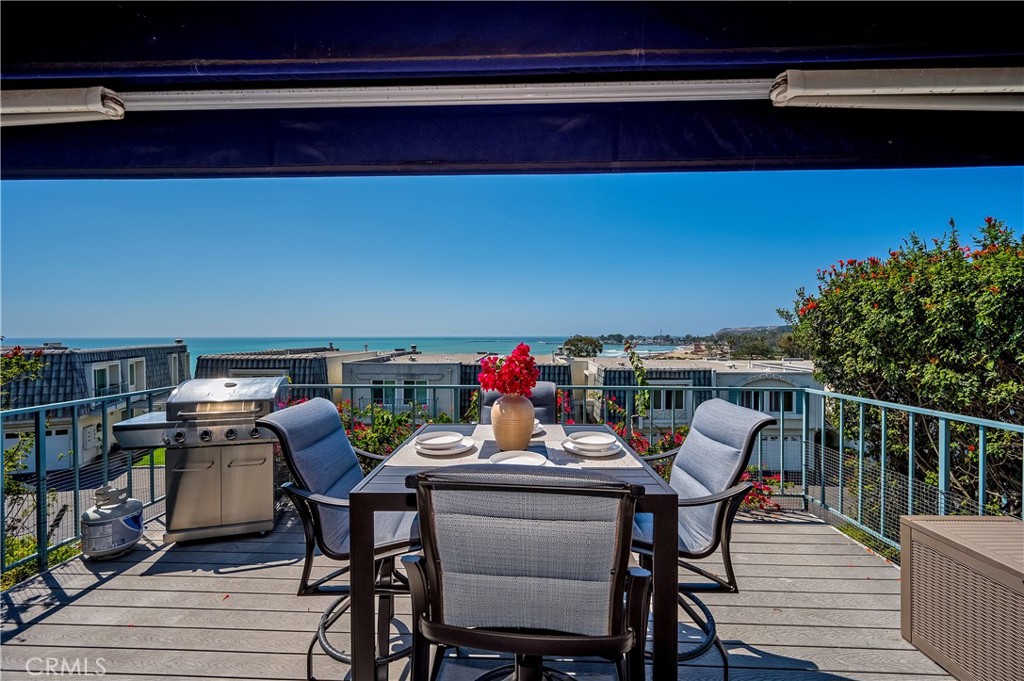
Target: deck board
814	606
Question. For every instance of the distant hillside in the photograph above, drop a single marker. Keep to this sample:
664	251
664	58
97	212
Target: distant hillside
746	330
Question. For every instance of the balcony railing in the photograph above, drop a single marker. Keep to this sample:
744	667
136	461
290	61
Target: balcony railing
43	508
831	454
109	390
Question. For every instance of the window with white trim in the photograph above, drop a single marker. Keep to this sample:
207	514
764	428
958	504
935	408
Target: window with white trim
137	374
105	378
414	395
385	396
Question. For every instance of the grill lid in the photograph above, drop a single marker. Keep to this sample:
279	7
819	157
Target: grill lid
226	397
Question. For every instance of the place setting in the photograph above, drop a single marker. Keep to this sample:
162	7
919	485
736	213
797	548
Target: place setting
592	444
443	443
519	457
538	429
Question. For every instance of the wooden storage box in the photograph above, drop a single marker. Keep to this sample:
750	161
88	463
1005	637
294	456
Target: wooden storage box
962	593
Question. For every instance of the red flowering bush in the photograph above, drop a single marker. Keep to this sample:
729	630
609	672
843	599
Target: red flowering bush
514	374
937	324
760	496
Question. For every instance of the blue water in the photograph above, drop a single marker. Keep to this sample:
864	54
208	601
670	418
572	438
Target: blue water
428	344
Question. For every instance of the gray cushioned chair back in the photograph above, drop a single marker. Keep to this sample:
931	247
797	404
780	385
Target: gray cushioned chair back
543	398
517	558
712	459
322	460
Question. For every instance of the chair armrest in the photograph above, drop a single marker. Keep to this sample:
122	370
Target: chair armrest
368	455
318	499
417	586
664	455
733	491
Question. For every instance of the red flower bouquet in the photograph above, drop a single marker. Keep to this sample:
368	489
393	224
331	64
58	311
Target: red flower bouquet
514	374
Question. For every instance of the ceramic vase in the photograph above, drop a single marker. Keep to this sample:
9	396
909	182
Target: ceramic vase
512	421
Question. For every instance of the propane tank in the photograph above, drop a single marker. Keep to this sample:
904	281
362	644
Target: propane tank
113	526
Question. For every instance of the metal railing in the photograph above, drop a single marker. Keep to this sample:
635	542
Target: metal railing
109	390
829	453
40	510
855	480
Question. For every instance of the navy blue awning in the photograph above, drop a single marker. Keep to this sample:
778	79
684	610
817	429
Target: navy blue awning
193	46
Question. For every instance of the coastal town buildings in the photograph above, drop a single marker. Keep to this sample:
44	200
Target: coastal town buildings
71	374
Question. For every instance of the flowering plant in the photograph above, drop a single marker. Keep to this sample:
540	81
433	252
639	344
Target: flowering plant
514	374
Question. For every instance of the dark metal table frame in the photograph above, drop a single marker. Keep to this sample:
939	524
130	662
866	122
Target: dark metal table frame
384	490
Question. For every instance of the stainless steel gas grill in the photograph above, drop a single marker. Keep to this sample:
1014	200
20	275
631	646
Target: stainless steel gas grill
220	469
219	465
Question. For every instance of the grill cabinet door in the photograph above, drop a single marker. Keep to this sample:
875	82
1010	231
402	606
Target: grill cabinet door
247	475
193	488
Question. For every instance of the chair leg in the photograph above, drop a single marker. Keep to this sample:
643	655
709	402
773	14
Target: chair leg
704	620
725	658
385	606
439	653
308	532
331	614
529	668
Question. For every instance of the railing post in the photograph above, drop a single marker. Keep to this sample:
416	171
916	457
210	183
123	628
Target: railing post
782	440
911	420
103	444
3	512
75	462
804	434
629	414
842	453
981	470
860	469
42	522
127	455
822	430
881	491
943	464
760	460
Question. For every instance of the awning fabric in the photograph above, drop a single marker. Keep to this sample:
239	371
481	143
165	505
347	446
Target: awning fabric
159	47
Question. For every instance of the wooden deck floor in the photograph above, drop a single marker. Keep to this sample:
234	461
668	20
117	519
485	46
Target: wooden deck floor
814	606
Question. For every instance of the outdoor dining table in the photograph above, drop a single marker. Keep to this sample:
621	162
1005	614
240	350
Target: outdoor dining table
384	490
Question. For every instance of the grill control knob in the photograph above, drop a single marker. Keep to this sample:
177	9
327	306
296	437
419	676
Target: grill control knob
255	432
179	436
205	436
230	433
166	440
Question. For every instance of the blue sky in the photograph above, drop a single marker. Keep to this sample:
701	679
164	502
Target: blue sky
460	255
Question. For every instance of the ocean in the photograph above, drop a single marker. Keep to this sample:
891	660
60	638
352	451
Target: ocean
539	345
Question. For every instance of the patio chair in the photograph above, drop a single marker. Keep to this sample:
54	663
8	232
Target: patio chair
706	472
324	467
543	399
527	561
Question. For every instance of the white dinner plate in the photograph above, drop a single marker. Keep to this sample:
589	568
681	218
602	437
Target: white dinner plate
520	458
461	447
593	440
573	448
537	429
439	439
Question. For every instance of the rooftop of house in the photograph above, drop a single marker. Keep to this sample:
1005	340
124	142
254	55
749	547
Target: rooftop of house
719	365
301	353
64	374
455	357
57	347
